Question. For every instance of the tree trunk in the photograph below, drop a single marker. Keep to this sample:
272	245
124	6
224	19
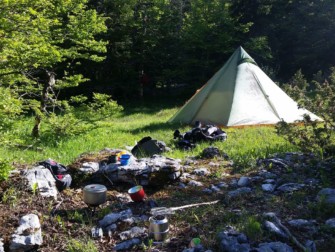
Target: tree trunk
45	98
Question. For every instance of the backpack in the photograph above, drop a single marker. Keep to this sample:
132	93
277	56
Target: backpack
59	172
148	147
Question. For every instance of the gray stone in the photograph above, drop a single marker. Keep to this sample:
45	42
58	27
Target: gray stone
270	181
126	245
242	238
27	235
195	183
273	162
132	233
181	185
111	228
272	228
256	179
1	246
97	232
327	194
310	246
212	164
214	188
230	243
233	183
306	225
42	178
268	187
331	222
222	185
207	191
113	217
239	192
243	181
274	247
290	187
267	175
201	172
89	167
211	152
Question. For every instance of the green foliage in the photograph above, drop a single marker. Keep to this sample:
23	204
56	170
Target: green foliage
313	136
34	188
66	125
103	106
253	229
10	197
40	42
5	169
81	246
77	217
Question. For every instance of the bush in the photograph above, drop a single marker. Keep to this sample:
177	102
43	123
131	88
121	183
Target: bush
5	169
319	97
103	106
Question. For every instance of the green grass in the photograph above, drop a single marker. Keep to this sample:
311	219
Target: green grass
134	123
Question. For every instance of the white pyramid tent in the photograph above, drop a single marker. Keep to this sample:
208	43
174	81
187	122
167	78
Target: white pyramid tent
240	93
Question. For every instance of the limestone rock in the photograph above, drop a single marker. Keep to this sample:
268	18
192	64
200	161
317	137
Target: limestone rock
42	178
27	235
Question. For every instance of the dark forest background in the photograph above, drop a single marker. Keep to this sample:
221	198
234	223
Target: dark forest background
166	47
177	45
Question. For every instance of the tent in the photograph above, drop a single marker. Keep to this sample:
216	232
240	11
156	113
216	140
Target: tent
239	94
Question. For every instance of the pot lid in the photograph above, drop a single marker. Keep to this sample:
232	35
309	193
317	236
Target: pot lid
95	188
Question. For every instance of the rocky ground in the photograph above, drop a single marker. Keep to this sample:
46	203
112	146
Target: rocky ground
285	203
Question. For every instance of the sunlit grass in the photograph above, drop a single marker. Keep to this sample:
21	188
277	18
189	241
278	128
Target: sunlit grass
243	145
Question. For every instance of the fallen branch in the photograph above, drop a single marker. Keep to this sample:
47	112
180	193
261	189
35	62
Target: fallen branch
170	210
53	211
26	147
285	229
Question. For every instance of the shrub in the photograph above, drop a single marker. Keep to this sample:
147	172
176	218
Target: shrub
253	229
103	106
5	169
318	97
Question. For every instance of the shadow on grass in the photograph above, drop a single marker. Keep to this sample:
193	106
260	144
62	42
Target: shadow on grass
153	127
150	106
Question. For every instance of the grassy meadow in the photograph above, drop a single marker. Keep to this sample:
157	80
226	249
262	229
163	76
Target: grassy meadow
243	146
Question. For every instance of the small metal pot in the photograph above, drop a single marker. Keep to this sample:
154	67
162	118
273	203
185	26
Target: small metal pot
159	227
95	194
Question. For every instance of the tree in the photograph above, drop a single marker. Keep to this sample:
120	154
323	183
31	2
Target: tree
210	34
42	42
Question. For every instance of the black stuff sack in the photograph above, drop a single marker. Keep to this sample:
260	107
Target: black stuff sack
147	147
59	172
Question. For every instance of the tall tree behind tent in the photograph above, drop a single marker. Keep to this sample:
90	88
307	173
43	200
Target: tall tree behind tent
240	93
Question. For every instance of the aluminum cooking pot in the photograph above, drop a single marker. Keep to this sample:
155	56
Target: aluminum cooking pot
95	194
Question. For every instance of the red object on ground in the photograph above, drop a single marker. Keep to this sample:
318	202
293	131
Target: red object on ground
136	193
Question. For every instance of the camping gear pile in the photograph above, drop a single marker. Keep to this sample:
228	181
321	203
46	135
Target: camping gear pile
209	133
59	172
